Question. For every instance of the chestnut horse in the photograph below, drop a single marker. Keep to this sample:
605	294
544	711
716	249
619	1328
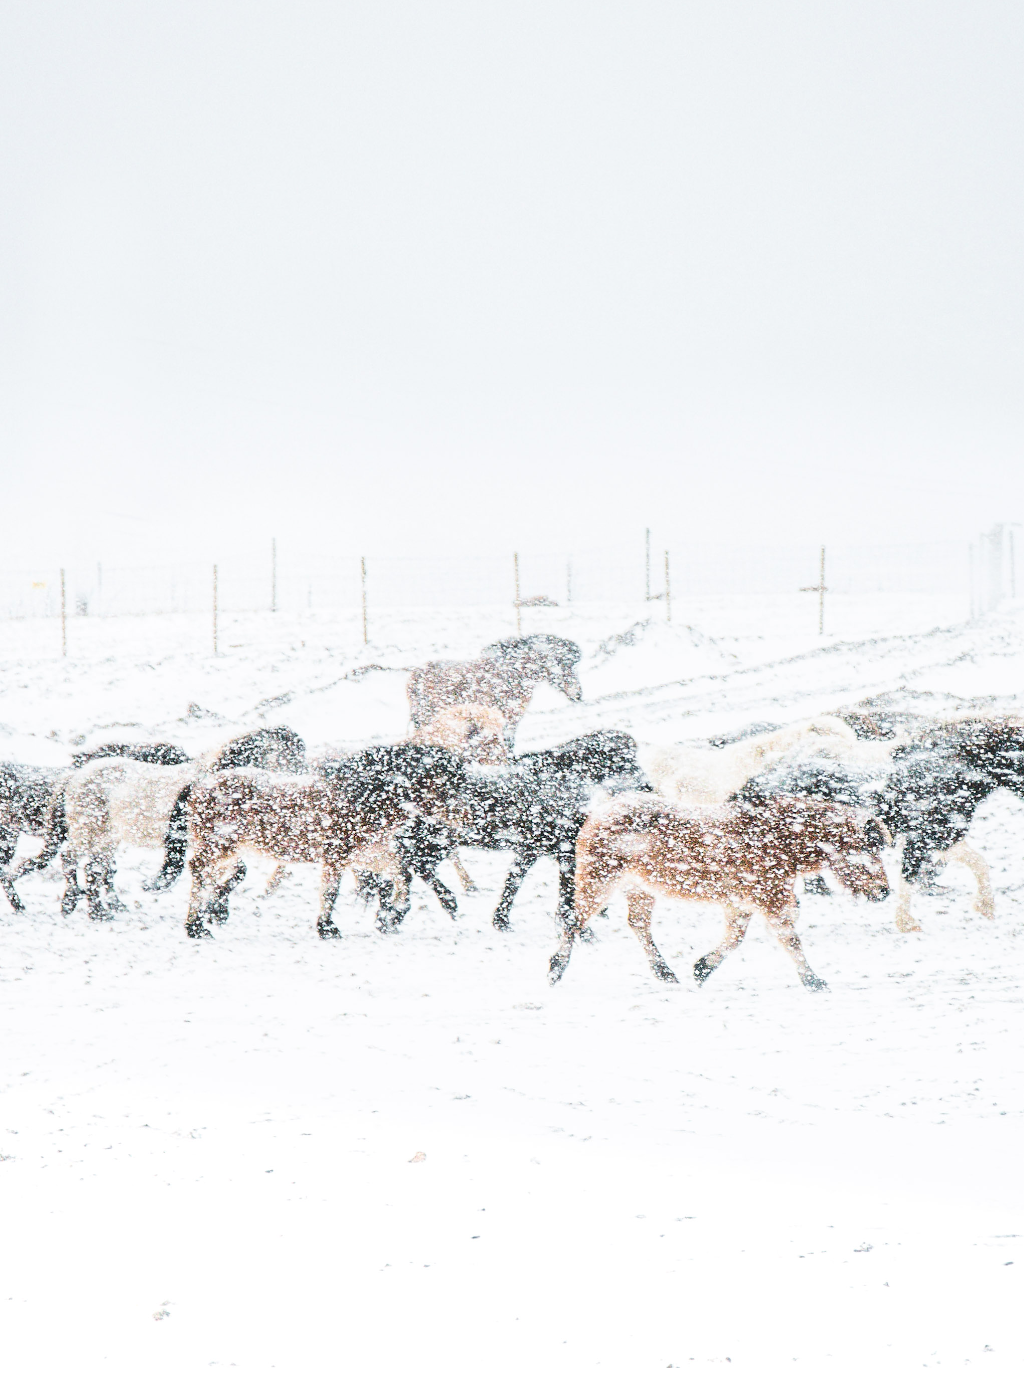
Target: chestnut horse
348	815
504	676
745	858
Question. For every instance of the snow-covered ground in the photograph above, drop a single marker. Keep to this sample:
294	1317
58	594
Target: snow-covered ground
391	1163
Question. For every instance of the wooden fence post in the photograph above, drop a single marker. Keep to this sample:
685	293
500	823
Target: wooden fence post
273	573
362	581
519	608
215	607
820	588
63	616
668	593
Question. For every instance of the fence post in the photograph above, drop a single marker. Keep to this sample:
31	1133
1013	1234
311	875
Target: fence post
273	573
362	579
215	607
519	608
821	589
63	616
668	593
647	564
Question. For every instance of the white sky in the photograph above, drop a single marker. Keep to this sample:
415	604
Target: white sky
451	276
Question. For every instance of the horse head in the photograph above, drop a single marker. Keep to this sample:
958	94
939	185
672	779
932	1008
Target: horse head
542	658
852	848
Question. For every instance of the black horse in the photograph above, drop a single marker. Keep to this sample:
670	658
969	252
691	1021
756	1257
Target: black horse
534	808
928	798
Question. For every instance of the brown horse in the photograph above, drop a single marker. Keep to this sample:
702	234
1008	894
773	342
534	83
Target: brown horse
347	816
743	857
504	676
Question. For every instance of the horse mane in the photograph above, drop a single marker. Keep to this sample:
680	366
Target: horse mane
159	753
267	747
551	646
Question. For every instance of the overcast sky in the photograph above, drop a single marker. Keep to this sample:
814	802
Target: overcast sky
425	276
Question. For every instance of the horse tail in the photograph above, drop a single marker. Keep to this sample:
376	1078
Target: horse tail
175	844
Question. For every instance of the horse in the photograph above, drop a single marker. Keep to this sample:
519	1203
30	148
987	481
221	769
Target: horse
536	808
115	800
27	791
349	815
927	800
742	857
504	676
696	775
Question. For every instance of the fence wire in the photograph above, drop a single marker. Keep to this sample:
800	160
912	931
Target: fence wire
288	578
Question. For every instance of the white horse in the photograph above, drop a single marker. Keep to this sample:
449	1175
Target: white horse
691	774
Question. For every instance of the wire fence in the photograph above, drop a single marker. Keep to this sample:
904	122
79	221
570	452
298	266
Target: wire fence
277	576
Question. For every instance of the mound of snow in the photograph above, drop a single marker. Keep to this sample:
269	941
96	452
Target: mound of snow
650	653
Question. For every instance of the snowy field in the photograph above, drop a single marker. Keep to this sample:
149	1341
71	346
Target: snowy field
268	1162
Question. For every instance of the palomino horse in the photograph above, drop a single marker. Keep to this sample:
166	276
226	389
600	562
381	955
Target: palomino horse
504	676
477	732
742	857
347	817
708	775
27	793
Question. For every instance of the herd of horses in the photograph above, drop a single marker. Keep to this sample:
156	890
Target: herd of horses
746	822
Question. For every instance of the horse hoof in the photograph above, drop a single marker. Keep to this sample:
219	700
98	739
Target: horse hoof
587	935
559	963
815	984
702	970
984	909
816	885
328	931
663	973
199	931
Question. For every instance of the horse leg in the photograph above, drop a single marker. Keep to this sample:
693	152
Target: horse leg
736	922
394	901
592	893
72	890
217	907
97	870
465	880
444	895
330	882
522	864
114	902
280	873
195	917
784	928
905	921
984	902
641	907
567	895
8	846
